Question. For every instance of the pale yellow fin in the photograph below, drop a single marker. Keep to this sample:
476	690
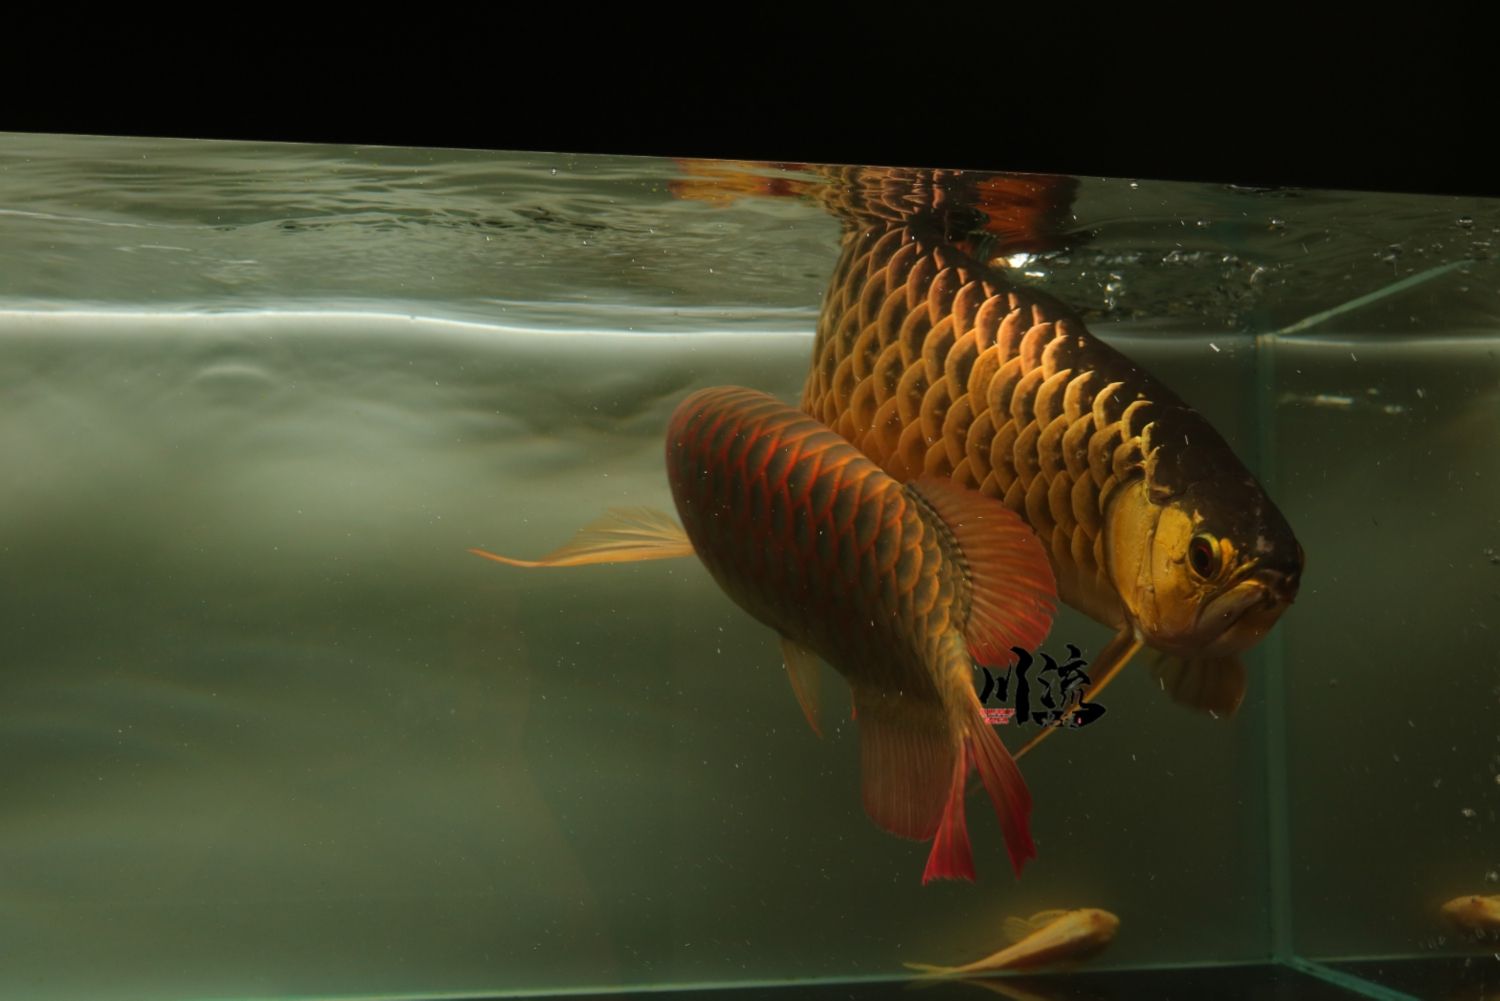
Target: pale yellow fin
802	669
621	535
930	970
1042	919
1215	686
1016	929
1105	667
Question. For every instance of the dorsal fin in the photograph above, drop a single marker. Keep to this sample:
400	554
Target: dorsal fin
1014	590
1017	929
1042	919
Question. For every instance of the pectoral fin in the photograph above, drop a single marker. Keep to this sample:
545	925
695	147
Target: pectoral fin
802	669
1211	685
1105	667
621	535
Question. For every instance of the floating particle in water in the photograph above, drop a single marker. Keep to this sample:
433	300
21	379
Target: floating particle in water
1331	400
1492	556
1113	289
1493	876
1421	393
1277	225
1214	346
1469	813
1465	222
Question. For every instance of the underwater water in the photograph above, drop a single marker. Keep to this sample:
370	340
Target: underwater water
267	730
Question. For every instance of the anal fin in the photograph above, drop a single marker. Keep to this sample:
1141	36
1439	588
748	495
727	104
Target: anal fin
907	756
1212	685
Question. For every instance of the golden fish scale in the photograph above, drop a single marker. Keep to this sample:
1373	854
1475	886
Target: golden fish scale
931	365
875	588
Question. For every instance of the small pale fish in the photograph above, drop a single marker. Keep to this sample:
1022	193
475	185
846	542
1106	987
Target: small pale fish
897	587
1474	913
1046	939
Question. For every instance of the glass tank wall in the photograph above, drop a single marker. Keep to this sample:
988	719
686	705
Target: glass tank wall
270	731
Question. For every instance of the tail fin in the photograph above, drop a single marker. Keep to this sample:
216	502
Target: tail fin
951	857
621	535
1004	784
724	182
931	970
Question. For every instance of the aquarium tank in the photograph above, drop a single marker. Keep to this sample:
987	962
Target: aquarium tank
270	729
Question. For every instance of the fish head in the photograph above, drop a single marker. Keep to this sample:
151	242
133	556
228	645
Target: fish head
1473	913
1101	925
1203	571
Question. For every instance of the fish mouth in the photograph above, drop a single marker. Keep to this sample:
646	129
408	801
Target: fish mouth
1246	611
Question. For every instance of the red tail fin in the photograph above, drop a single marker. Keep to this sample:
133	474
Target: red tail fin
951	857
1006	788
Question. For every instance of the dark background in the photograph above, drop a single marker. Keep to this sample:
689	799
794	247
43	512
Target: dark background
1256	97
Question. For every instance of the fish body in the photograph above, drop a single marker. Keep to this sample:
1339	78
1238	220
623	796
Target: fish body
898	587
933	363
1046	939
1474	913
894	586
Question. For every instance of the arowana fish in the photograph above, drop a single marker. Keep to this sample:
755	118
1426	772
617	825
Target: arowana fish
894	586
935	363
1046	939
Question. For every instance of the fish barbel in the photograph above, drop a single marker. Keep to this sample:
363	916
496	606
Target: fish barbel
934	363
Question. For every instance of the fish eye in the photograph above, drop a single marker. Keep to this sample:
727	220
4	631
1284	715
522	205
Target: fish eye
1203	555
